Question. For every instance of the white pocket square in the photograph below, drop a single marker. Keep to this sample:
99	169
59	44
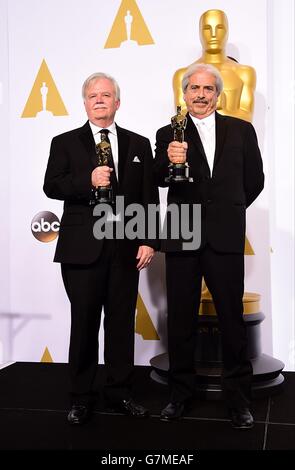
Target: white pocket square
136	160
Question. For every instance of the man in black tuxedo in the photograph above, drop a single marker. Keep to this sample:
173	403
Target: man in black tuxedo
226	167
100	272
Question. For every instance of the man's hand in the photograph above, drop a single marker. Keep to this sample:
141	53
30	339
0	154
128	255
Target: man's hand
145	254
177	152
101	176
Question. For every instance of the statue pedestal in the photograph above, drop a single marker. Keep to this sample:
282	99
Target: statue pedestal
267	377
44	114
129	43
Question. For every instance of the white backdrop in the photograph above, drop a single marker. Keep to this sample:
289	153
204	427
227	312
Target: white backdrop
70	36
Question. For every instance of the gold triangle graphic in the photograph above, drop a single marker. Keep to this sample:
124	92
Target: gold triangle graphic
143	323
129	21
248	248
46	356
44	98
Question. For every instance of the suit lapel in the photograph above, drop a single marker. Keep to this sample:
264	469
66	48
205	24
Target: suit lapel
192	138
87	139
220	131
123	145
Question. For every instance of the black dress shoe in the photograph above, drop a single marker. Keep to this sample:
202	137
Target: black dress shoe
78	414
172	412
129	408
241	418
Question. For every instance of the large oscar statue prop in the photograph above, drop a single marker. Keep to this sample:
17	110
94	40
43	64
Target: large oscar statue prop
178	172
239	81
236	99
102	194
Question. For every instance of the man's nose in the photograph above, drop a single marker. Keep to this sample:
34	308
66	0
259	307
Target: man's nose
200	93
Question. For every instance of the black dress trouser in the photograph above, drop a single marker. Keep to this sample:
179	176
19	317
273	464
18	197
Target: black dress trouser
110	282
224	276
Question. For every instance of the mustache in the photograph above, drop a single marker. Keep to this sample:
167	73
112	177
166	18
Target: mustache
200	101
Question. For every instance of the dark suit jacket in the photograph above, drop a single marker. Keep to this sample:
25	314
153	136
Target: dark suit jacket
68	178
236	181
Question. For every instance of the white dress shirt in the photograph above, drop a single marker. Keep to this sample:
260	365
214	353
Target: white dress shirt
206	129
113	140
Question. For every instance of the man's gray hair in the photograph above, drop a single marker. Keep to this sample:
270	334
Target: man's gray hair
97	76
203	68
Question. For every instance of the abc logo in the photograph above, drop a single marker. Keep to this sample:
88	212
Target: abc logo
45	226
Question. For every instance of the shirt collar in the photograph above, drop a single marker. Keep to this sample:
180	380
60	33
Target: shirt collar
95	129
209	121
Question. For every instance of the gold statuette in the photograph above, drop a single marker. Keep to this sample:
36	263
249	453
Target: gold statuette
178	172
102	194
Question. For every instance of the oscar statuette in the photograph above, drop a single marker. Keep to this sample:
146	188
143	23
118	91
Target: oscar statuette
102	194
178	172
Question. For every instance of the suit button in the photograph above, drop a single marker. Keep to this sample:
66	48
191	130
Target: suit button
209	201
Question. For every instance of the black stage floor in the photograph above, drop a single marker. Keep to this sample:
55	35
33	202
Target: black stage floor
34	406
